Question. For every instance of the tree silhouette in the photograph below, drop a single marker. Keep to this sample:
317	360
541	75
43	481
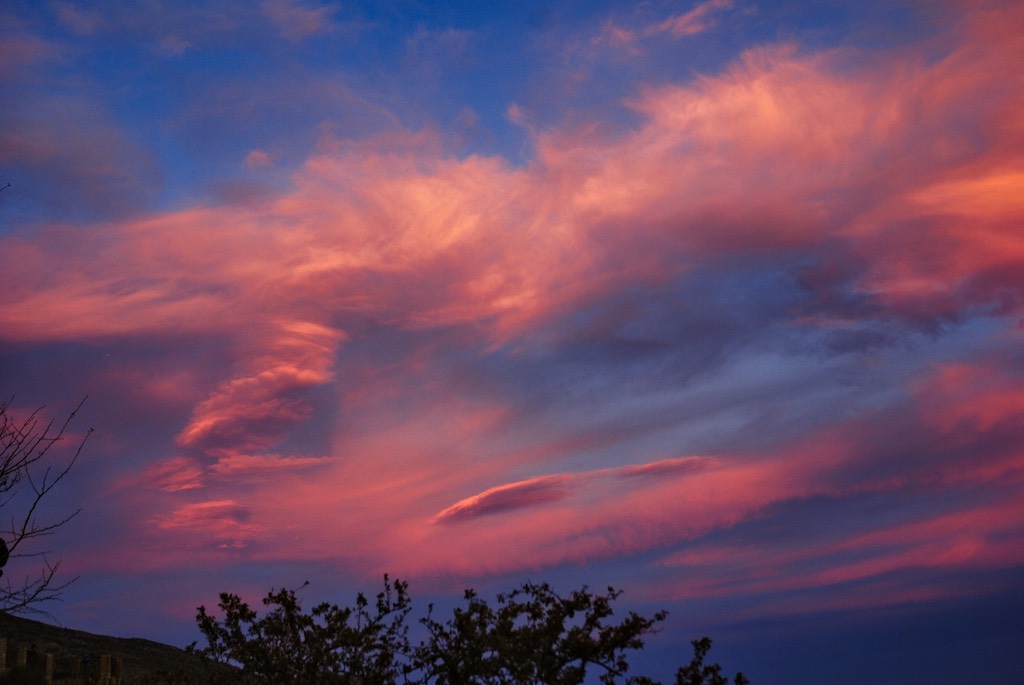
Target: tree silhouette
331	644
697	673
532	636
28	474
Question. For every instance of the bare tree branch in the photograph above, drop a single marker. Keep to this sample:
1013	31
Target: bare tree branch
28	474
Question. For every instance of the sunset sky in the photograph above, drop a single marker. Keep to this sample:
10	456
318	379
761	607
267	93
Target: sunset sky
718	303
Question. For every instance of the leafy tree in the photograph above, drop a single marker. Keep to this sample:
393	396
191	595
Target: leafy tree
533	636
331	644
696	673
28	474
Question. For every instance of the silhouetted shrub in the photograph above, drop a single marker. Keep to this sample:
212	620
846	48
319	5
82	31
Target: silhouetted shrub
531	636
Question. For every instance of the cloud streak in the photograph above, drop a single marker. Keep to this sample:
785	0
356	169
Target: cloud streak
696	20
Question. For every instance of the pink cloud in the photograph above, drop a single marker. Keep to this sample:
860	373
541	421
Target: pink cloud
255	409
968	539
977	396
494	243
664	467
697	20
170	475
502	498
258	159
959	408
21	52
617	38
203	513
295	20
81	22
544	520
216	524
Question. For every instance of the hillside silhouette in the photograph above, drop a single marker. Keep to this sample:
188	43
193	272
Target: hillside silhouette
144	661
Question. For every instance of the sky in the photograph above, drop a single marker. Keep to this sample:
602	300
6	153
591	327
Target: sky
718	303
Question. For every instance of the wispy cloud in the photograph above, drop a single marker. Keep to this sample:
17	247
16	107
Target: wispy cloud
697	20
297	20
217	524
80	21
252	411
626	39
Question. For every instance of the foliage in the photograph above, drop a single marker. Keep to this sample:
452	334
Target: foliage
28	474
531	636
331	644
696	673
